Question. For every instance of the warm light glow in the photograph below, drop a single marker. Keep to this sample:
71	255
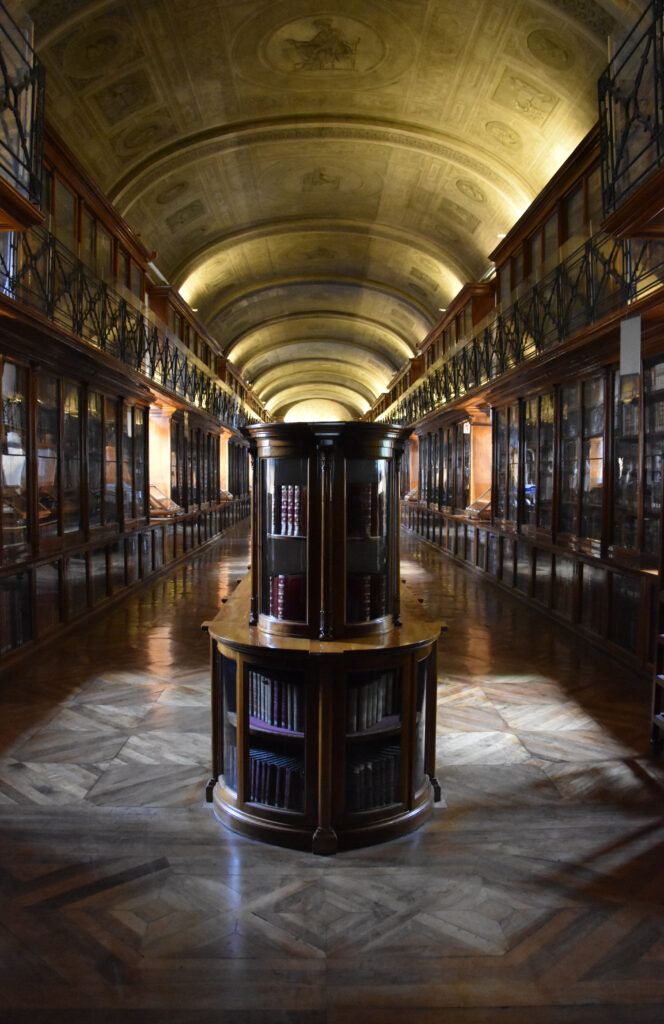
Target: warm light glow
318	410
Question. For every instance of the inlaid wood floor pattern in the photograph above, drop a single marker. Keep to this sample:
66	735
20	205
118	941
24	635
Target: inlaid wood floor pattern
534	895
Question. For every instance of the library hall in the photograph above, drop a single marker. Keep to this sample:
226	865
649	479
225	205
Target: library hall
332	533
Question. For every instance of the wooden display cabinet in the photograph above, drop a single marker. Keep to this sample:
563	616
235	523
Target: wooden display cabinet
323	700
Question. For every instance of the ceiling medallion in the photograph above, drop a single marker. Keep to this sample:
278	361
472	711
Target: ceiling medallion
503	134
549	49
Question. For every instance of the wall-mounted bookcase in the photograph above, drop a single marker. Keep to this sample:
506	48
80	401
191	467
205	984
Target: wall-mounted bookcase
323	673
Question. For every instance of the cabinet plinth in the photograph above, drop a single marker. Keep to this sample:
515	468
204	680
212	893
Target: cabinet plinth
323	679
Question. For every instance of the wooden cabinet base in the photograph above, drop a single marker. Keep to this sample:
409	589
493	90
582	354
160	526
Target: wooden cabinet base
322	841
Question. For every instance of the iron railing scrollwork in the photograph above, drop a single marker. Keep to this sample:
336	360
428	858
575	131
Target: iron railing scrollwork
631	109
22	81
601	276
37	270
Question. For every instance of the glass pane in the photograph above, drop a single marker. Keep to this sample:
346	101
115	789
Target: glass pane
424	670
545	464
626	460
593	458
654	446
104	253
276	729
48	415
513	465
110	462
71	460
139	459
530	446
128	460
14	459
569	469
284	554
229	711
373	744
501	462
95	458
366	537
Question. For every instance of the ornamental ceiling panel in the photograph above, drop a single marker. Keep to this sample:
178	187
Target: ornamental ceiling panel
319	179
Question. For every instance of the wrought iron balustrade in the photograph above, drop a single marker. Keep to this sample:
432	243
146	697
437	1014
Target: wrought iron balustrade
21	108
37	270
602	276
631	109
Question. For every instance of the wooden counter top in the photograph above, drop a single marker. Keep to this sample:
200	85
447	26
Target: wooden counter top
231	625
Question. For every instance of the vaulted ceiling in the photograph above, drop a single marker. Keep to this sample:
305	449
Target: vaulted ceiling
319	178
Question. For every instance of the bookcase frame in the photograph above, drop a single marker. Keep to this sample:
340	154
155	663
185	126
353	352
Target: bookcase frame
361	784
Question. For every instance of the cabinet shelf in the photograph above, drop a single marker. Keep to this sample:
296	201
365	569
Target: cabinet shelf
389	725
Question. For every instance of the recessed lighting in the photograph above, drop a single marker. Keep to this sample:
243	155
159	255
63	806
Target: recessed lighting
502	236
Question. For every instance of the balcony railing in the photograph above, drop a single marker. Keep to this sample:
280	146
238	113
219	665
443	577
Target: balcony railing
21	109
38	271
599	278
631	109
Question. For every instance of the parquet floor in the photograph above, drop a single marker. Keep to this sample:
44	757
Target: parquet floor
534	896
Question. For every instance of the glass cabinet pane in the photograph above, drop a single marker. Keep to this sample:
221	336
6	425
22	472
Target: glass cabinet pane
569	461
95	460
530	445
229	719
48	415
13	458
424	667
593	458
513	463
276	734
654	446
500	462
367	492
545	462
71	459
373	739
110	462
284	543
626	460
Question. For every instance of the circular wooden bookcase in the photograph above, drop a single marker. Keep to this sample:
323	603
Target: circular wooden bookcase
323	672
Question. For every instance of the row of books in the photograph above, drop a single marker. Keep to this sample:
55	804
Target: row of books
275	701
373	777
655	416
287	596
287	511
367	596
654	377
276	780
365	516
372	700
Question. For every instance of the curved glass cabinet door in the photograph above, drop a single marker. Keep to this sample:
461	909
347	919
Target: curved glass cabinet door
284	488
367	534
373	739
275	702
229	719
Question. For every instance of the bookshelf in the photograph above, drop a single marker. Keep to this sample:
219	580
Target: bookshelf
323	695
